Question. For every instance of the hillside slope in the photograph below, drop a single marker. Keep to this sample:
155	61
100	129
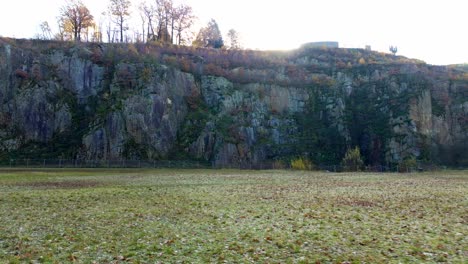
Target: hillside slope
138	101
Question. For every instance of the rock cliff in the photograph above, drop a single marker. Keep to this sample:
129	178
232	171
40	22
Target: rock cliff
144	101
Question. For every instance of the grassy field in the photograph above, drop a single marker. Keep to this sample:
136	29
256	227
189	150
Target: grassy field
203	216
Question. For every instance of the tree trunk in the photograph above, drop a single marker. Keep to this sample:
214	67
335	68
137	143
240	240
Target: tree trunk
78	35
121	30
143	33
172	30
179	36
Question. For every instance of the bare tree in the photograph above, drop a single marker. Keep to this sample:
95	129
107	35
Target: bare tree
148	11
393	49
76	16
184	19
163	14
143	18
166	22
120	11
46	32
106	18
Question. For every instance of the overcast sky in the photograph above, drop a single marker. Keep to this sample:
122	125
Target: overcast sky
433	31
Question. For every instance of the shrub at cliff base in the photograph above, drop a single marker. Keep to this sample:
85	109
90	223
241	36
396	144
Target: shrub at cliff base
408	165
301	164
352	160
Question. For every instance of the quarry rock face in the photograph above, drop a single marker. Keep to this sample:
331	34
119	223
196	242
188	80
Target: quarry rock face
80	101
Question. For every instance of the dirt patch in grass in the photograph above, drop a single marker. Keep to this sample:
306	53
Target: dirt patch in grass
358	203
62	184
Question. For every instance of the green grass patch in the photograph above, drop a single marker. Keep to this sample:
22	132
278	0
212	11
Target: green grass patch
202	216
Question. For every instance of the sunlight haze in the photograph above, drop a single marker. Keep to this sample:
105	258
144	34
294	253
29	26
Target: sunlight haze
433	31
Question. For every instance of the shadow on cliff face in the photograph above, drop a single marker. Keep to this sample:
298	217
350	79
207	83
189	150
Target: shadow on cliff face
454	156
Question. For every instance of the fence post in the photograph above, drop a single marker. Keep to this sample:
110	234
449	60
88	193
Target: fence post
11	161
43	165
27	163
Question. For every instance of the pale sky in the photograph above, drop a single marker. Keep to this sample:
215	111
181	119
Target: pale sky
433	31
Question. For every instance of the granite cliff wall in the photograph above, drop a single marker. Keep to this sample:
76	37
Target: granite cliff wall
111	102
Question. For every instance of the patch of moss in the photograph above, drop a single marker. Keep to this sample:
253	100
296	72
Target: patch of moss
66	144
317	136
224	126
134	150
192	127
62	145
437	108
195	122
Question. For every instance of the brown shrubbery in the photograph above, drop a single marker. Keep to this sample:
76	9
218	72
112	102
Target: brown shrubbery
21	74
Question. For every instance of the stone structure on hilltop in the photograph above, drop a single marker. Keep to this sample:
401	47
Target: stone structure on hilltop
321	44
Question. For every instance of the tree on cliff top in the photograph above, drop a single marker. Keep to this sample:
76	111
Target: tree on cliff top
166	22
120	11
75	17
184	19
209	36
46	31
234	40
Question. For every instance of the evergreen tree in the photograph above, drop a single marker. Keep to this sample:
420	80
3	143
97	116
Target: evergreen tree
234	39
209	36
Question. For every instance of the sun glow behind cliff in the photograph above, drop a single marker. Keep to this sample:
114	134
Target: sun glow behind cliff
433	31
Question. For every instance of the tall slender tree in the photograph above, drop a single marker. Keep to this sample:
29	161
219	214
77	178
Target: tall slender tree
120	12
144	20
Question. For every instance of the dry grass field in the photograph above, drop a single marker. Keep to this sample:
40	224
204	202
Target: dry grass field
232	216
